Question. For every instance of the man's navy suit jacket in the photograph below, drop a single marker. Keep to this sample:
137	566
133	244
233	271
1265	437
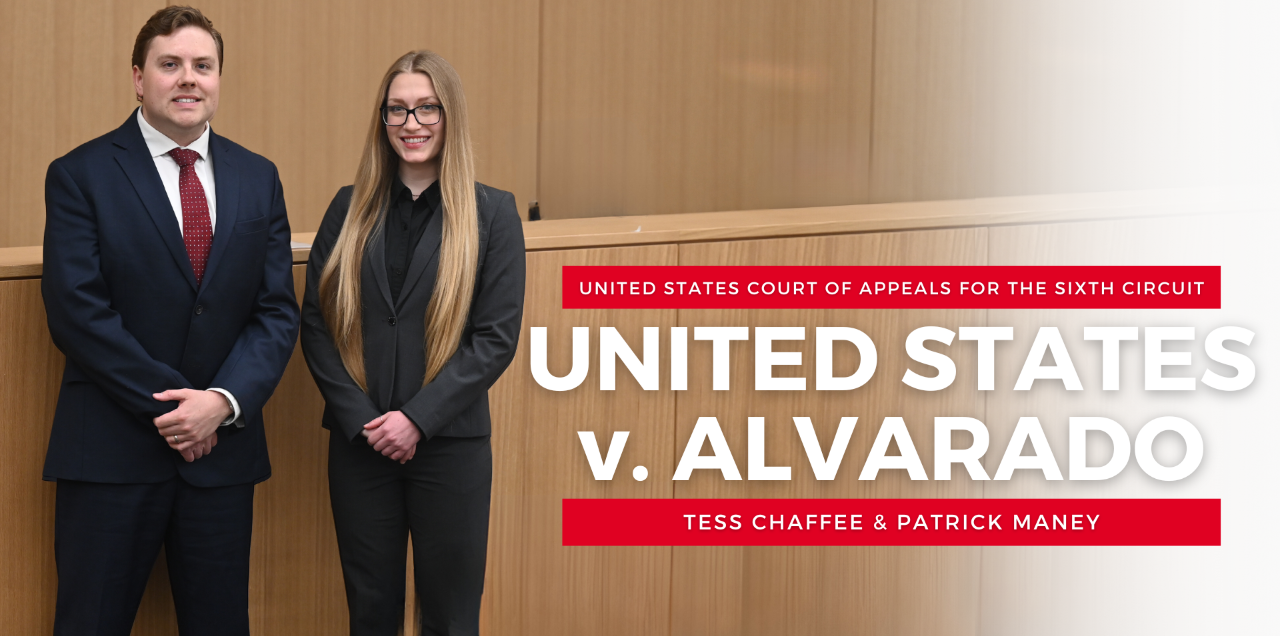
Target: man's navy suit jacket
124	307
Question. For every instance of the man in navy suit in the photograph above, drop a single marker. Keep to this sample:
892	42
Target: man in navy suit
168	285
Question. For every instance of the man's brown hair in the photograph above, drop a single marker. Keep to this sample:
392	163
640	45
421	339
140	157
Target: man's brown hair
167	20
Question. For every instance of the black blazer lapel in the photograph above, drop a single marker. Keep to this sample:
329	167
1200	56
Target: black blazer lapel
140	168
376	252
380	385
227	186
423	255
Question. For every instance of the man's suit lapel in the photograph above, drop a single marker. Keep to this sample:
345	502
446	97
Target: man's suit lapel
423	254
140	168
227	186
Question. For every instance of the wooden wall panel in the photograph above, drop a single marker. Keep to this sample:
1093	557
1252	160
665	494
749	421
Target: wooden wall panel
30	374
301	76
298	88
1164	590
820	590
1169	241
64	79
295	585
604	109
661	107
1005	97
536	586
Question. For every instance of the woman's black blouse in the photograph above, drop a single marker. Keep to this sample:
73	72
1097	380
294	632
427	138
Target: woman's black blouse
406	220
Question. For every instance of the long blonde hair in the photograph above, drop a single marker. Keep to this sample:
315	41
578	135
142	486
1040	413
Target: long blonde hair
340	299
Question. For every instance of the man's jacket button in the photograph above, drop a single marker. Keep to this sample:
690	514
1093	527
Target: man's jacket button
391	320
199	309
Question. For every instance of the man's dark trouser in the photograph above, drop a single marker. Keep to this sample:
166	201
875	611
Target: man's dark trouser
107	538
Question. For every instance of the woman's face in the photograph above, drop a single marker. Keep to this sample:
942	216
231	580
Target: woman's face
414	142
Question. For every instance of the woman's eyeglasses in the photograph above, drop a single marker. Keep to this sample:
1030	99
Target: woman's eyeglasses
425	115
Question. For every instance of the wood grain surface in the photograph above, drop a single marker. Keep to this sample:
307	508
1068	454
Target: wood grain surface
1168	590
662	107
298	87
820	590
301	76
25	262
642	108
30	374
536	586
65	79
978	98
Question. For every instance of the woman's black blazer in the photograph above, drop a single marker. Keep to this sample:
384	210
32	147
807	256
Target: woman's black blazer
456	402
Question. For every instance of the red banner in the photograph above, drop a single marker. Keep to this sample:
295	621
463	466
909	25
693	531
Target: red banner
791	522
911	287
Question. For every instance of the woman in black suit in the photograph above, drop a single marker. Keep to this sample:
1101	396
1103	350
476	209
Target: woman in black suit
415	289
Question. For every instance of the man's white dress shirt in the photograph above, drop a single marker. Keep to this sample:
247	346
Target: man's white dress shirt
159	146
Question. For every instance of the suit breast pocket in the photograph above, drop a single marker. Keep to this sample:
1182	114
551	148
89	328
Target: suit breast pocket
249	226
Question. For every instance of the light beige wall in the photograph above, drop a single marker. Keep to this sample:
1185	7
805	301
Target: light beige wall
301	78
639	107
298	87
64	79
670	106
1006	97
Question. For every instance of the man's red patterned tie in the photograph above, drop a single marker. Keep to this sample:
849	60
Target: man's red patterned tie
197	232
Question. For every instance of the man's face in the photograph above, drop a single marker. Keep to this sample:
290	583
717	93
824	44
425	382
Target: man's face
179	83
